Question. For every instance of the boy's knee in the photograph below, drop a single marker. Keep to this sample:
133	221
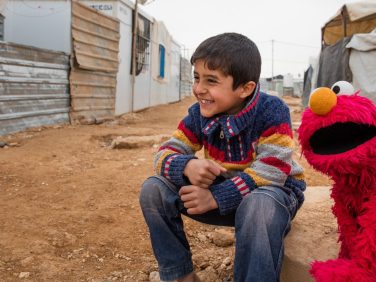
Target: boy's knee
261	207
150	194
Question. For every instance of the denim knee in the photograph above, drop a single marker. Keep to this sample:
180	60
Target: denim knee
261	221
150	195
263	206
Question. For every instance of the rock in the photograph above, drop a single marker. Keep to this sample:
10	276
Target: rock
208	275
13	144
141	277
200	260
227	261
40	247
27	261
24	275
132	142
223	237
3	144
117	274
202	238
62	239
154	276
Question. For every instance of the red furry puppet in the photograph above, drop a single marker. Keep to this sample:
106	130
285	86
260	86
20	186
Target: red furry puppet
338	138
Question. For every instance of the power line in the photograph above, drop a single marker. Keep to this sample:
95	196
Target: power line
272	41
285	61
297	44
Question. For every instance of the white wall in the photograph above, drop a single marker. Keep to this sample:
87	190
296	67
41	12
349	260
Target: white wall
165	90
158	94
124	78
43	24
174	85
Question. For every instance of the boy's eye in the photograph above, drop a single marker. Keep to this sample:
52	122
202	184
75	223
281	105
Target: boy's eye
210	80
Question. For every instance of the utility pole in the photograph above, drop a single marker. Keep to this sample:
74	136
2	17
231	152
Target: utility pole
134	50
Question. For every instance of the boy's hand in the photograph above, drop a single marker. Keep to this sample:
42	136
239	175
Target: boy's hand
202	172
197	200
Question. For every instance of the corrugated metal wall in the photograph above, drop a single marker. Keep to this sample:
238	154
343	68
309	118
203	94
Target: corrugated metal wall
33	87
95	64
185	78
1	27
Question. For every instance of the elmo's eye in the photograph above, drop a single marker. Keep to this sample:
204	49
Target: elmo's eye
342	88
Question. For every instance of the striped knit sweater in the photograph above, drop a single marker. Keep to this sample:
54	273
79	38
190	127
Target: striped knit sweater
255	146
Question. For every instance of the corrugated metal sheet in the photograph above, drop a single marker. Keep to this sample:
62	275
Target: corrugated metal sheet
93	96
95	64
185	78
33	87
1	27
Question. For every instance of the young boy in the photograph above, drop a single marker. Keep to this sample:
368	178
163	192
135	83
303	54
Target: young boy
247	179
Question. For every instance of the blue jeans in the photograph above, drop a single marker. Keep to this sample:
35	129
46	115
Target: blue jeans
261	222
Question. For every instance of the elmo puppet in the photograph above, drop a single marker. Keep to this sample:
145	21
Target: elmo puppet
338	138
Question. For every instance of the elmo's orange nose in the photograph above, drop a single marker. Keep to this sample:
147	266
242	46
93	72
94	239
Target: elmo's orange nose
322	100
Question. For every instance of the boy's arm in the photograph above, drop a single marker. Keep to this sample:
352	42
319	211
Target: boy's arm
272	165
175	153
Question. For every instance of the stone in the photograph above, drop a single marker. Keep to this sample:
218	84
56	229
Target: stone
24	275
132	142
154	276
223	237
207	275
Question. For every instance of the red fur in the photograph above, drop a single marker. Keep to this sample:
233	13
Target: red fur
353	192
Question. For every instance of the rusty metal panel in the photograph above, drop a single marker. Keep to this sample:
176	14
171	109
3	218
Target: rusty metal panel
34	87
93	96
95	38
102	54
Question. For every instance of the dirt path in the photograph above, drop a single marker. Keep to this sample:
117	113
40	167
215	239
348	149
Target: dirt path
69	204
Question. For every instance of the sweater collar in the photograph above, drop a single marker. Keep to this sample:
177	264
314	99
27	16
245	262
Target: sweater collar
233	124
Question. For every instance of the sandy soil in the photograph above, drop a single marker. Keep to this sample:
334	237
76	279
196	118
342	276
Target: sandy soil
69	203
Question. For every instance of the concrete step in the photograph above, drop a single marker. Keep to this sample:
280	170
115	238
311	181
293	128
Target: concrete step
313	235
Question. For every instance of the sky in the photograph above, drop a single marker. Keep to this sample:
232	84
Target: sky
294	26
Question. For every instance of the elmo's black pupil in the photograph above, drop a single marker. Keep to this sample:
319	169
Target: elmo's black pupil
336	89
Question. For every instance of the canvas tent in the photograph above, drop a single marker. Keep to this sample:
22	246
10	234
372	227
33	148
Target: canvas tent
348	50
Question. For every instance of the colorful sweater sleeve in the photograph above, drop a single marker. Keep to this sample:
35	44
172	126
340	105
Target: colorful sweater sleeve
272	163
175	153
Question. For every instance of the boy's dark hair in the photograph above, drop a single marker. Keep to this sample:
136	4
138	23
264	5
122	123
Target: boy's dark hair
234	54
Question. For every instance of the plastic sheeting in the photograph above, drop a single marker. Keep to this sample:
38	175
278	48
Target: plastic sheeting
334	64
352	18
363	63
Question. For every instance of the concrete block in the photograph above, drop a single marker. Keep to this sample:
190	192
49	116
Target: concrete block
313	236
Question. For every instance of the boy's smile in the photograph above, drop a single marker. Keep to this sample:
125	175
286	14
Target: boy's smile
213	90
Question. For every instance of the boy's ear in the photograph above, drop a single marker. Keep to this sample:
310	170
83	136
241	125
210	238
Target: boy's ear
247	89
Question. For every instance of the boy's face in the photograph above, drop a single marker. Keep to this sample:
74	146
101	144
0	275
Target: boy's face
214	92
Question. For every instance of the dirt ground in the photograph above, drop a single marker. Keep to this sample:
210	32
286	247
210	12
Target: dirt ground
69	203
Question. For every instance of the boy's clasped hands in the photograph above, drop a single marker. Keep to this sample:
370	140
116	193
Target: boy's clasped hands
197	197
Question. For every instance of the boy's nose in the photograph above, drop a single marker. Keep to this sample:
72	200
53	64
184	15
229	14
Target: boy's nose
198	88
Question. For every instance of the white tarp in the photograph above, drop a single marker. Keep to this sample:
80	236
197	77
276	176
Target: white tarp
363	63
351	18
357	10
